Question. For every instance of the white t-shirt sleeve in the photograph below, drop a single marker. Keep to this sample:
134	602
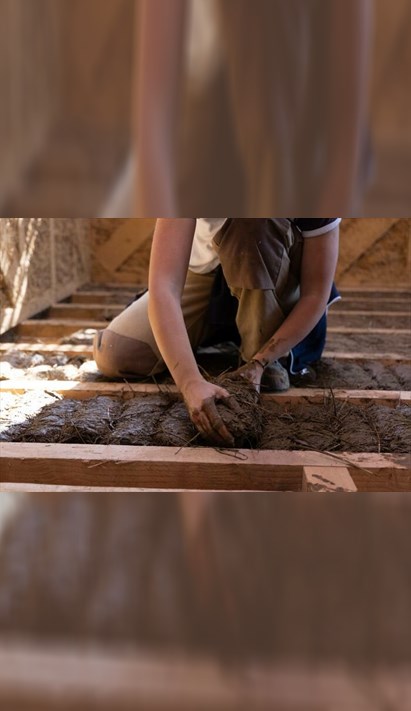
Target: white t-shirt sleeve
203	257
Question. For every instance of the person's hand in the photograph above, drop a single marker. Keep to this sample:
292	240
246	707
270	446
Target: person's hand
200	398
251	371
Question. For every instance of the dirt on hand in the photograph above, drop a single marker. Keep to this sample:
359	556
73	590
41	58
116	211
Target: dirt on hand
246	425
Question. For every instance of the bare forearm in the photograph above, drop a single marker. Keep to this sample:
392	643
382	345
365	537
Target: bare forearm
169	262
172	339
294	329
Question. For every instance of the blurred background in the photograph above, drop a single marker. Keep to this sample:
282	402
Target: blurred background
183	601
68	82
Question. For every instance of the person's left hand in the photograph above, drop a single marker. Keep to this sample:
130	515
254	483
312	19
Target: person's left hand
251	371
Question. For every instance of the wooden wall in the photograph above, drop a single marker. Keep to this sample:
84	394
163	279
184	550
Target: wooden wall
42	260
375	251
120	250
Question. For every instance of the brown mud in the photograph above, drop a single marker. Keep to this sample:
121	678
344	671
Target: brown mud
370	343
337	426
246	424
161	420
362	375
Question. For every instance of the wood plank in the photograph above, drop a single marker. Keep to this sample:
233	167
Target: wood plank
359	238
50	346
131	235
105	297
328	480
373	314
370	331
369	320
111	286
191	469
370	290
13	488
385	358
56	328
148	468
71	677
370	305
93	312
84	390
47	348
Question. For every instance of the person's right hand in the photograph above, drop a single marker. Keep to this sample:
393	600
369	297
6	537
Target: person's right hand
200	398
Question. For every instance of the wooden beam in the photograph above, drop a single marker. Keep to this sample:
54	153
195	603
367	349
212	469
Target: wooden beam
372	314
55	328
87	350
90	312
67	678
13	488
84	390
371	304
358	239
369	320
370	331
385	358
372	291
131	235
111	286
328	480
62	327
47	348
104	297
191	469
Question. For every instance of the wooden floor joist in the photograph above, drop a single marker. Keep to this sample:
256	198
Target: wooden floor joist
369	319
84	312
365	304
103	297
56	328
366	290
73	350
370	331
84	390
386	358
106	312
333	479
192	469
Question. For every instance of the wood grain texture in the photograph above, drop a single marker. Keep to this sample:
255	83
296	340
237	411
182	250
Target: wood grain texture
331	480
191	469
84	390
55	328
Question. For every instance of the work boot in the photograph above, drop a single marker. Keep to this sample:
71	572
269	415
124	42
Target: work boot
306	378
275	378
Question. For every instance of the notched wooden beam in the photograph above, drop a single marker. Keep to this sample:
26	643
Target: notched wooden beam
328	480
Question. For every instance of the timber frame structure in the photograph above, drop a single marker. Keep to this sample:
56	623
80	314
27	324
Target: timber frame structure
58	467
